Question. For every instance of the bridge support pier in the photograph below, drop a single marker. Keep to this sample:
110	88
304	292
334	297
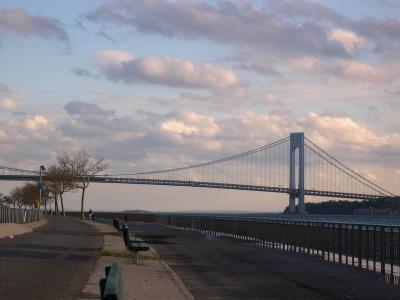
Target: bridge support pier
296	186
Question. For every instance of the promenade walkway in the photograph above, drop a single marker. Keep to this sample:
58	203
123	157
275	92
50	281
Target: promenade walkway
219	268
150	279
52	262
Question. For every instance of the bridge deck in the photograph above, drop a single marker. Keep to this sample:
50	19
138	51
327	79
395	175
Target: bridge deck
215	185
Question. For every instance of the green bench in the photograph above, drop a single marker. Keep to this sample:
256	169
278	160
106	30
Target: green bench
111	287
135	245
117	224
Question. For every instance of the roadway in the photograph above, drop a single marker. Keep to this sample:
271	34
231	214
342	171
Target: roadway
52	262
219	268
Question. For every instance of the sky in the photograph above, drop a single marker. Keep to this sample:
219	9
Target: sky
153	84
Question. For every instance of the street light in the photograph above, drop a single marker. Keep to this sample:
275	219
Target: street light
41	168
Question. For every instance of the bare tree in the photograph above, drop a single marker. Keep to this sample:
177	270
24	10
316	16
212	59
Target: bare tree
29	194
15	198
83	167
59	180
3	200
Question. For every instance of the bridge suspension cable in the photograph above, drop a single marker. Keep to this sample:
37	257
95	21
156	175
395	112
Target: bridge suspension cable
324	172
265	168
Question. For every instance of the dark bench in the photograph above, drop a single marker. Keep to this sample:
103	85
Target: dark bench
111	287
117	224
135	245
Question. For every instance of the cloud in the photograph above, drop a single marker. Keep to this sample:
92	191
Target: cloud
271	99
122	66
81	72
8	97
31	127
84	108
247	24
348	39
275	28
341	129
178	127
18	21
152	141
191	123
4	88
33	124
7	103
356	70
306	63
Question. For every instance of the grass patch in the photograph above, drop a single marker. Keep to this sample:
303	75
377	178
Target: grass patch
114	233
111	253
148	257
123	254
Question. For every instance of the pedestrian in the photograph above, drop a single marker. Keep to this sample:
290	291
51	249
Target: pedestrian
90	214
126	218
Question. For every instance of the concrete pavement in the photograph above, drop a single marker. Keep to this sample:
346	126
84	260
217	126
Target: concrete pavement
151	279
219	268
10	230
52	262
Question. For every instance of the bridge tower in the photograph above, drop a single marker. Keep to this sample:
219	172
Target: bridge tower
296	183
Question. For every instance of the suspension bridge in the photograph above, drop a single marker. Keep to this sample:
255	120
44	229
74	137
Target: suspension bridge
293	165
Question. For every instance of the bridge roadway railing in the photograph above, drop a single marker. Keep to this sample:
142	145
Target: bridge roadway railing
373	247
19	216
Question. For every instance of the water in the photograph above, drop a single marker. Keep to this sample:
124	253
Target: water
349	219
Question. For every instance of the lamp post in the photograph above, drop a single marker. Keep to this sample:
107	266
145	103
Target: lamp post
41	168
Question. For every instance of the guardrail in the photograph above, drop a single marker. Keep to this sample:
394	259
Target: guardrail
373	247
19	216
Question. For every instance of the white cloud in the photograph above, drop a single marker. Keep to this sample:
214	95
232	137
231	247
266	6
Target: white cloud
7	103
360	71
18	21
178	127
35	123
305	63
23	129
327	131
191	123
348	39
112	58
272	99
367	174
122	66
3	135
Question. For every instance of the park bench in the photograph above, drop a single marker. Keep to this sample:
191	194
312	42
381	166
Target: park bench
135	245
117	224
111	287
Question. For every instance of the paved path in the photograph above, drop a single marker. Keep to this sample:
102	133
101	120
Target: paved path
151	279
52	262
216	268
8	230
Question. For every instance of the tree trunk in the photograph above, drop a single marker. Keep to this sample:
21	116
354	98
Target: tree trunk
62	205
45	207
55	204
82	202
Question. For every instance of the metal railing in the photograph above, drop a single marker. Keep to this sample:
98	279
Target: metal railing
373	247
19	216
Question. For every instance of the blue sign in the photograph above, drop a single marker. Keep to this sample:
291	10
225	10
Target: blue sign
40	185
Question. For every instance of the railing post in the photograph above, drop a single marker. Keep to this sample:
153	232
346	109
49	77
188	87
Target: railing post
340	243
359	246
391	250
383	249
